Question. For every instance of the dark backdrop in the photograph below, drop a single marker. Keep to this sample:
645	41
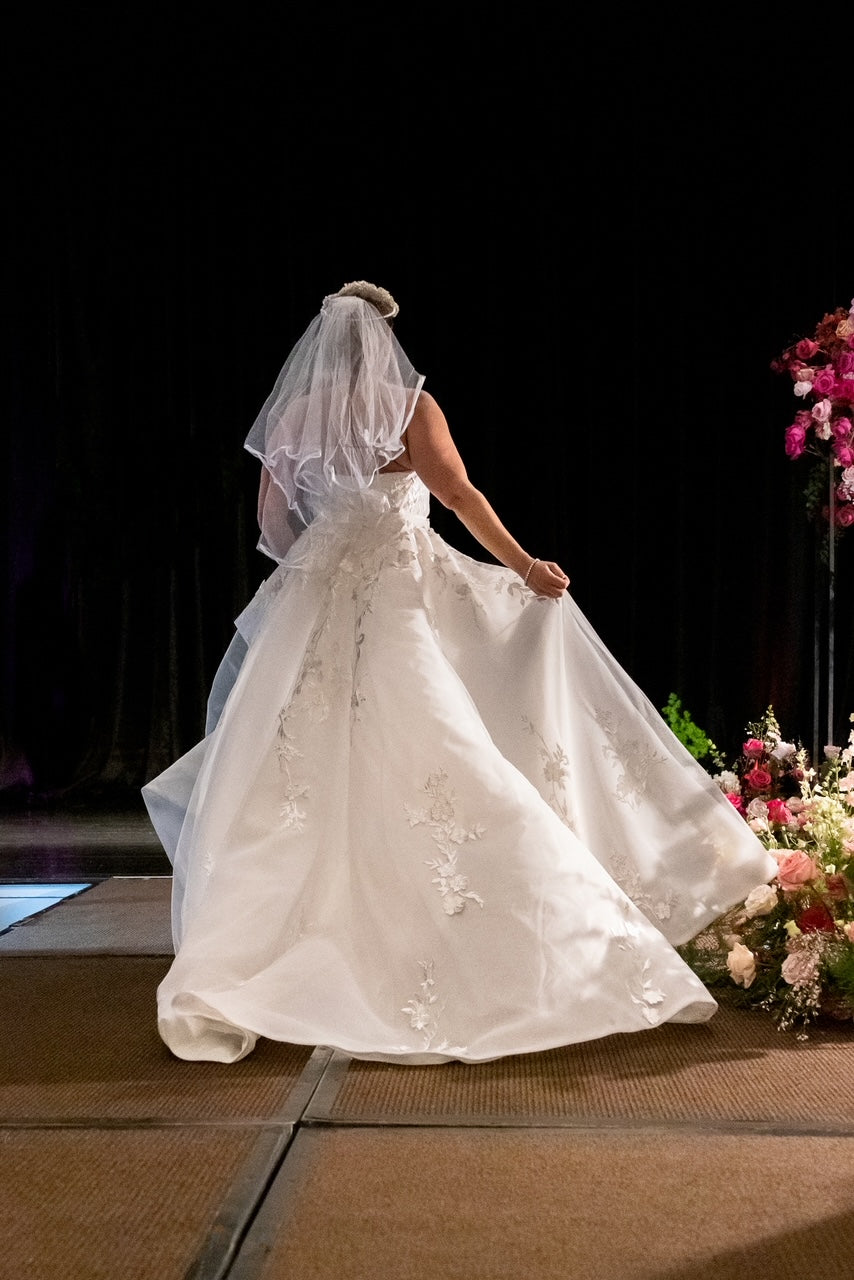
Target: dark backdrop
599	240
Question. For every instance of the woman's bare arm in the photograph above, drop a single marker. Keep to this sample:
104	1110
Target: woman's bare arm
435	458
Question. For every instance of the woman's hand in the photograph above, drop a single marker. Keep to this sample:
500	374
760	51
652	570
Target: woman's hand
545	578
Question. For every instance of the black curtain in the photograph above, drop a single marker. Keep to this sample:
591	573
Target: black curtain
599	241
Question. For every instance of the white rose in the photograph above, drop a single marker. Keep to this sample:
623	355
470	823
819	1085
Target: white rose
761	901
783	750
729	783
741	963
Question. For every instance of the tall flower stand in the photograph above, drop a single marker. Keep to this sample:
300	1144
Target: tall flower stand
824	624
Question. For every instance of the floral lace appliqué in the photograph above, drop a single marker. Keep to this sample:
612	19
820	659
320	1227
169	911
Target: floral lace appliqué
642	990
294	792
448	835
655	907
555	772
635	757
421	1010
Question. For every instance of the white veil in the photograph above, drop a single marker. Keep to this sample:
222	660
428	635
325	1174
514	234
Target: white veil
336	414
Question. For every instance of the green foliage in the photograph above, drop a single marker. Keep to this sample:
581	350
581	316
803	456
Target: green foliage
840	969
689	734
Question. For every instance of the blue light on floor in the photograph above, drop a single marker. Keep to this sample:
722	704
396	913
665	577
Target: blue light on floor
22	901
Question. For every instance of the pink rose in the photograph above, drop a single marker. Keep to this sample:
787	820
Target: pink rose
845	516
753	747
798	968
821	412
844	390
778	812
735	800
824	382
842	429
795	441
843	452
806	348
845	363
795	869
758	779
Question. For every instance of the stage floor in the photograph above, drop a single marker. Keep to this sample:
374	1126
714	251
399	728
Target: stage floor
710	1151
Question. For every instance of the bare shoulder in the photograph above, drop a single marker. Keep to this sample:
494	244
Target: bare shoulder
427	413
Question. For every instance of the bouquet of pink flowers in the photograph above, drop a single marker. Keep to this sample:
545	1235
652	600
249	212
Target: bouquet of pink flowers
822	370
789	947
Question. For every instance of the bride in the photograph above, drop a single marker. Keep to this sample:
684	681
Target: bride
431	817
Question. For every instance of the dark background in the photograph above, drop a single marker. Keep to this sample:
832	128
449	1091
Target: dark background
599	238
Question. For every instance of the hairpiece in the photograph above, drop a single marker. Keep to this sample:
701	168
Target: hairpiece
381	298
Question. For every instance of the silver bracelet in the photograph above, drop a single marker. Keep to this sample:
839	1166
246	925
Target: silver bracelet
528	574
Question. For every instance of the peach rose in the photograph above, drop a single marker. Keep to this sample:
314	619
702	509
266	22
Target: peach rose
741	963
795	869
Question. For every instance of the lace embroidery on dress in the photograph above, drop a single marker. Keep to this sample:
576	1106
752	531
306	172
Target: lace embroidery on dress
445	832
626	876
286	751
421	1011
462	586
555	772
309	695
513	586
641	988
636	758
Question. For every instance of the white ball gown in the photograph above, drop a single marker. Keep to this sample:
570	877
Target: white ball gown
433	819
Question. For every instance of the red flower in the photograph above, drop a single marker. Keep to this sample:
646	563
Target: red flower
758	779
816	919
837	887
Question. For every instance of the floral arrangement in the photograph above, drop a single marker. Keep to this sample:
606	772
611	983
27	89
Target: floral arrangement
822	370
789	948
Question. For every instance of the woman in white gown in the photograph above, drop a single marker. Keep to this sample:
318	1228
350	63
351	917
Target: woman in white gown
431	818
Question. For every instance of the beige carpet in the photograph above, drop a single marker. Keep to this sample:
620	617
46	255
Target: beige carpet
487	1204
125	915
118	1204
80	1041
711	1152
735	1069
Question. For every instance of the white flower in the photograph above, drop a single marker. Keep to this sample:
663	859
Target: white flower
741	963
831	752
783	750
729	783
799	968
803	388
761	901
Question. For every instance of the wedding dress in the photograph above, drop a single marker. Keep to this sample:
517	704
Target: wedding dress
432	818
